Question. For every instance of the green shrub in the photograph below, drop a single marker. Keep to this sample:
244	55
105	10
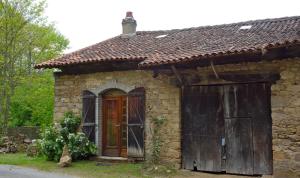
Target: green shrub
53	140
80	147
70	122
52	144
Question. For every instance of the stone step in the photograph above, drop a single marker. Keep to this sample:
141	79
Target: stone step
107	159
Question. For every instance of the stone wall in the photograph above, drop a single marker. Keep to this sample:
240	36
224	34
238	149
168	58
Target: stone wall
31	132
163	99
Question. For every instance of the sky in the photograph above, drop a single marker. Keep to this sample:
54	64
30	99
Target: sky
86	22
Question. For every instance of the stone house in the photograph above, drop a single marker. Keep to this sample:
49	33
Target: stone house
230	94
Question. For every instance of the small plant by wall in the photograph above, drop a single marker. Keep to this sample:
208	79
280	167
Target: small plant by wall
154	165
156	139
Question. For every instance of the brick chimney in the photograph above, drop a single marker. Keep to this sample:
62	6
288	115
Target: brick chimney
129	24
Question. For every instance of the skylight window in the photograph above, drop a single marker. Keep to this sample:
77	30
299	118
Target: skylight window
161	36
245	27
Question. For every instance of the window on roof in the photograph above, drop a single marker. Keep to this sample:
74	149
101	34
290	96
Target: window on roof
161	36
245	27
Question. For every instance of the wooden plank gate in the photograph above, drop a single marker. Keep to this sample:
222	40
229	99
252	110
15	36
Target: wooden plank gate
227	128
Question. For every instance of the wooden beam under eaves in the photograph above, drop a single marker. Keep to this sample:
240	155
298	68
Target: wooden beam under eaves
177	74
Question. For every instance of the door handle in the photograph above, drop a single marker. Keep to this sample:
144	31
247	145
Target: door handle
118	125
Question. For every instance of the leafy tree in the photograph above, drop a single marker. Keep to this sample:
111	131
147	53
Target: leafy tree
32	102
25	39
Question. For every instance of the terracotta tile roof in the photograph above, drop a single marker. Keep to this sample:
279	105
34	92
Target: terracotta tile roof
152	48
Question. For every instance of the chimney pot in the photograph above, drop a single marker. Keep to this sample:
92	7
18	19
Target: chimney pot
129	14
129	24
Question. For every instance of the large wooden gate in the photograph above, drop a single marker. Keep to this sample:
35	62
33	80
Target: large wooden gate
227	128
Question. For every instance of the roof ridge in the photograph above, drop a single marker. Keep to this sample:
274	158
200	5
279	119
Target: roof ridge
279	19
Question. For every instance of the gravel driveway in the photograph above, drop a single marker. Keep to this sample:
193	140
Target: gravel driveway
8	171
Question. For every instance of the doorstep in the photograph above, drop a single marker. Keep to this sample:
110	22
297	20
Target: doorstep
113	158
108	159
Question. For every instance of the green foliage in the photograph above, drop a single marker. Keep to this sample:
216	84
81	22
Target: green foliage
156	140
80	147
33	101
26	38
153	166
69	124
45	43
54	139
52	144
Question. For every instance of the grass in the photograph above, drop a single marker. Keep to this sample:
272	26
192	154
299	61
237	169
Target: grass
83	169
88	169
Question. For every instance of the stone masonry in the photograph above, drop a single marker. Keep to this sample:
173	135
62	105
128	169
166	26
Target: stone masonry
163	99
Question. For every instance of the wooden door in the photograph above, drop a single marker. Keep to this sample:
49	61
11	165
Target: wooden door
227	128
238	129
114	115
248	128
203	128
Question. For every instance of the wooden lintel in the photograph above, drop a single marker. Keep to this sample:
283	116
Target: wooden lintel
177	74
230	78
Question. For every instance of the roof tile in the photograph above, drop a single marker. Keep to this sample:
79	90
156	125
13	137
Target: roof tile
180	45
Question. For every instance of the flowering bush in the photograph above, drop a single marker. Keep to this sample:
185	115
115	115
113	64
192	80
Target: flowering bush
80	147
54	139
51	144
69	124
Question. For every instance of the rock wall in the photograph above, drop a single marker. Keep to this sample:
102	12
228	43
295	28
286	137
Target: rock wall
31	132
163	99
